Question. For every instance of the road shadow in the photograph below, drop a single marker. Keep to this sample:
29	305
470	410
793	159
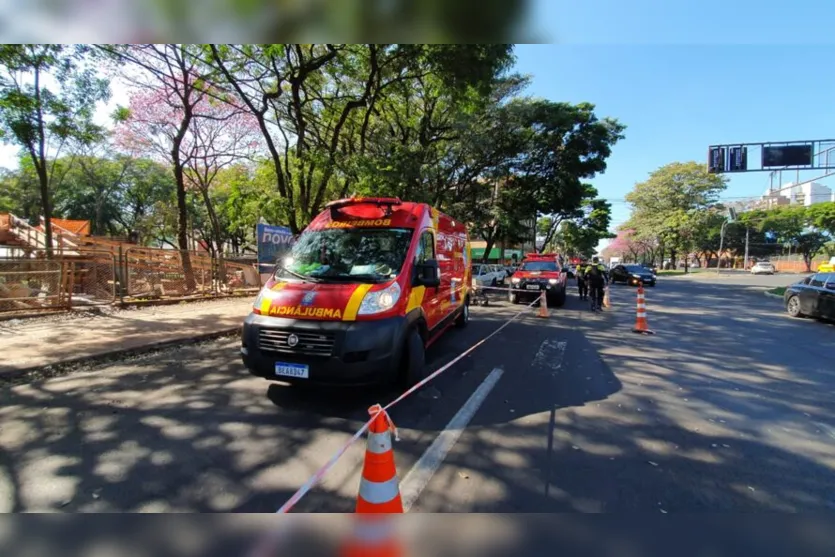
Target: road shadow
186	429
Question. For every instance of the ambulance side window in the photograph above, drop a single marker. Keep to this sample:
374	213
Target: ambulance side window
426	248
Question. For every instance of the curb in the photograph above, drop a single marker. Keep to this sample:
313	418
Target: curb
775	296
64	366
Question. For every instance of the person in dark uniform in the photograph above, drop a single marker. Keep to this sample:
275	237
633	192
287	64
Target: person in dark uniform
582	284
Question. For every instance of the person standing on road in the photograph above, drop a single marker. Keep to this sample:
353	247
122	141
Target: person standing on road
582	284
596	276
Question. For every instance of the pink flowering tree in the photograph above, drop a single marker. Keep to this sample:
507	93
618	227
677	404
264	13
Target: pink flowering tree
631	246
167	97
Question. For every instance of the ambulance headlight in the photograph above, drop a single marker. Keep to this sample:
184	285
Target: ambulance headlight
552	281
381	300
515	280
262	295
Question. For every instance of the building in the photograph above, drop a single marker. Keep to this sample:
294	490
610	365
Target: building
503	252
805	193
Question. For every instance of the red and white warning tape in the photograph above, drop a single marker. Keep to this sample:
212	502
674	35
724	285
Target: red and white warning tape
507	289
320	473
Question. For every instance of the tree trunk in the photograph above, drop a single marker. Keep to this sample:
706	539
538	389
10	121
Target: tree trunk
673	258
217	249
46	206
807	260
491	240
182	220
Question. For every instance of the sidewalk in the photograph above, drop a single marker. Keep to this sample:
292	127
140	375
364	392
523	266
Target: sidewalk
33	343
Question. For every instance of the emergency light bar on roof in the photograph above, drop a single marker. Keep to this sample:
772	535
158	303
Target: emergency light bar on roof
549	256
387	202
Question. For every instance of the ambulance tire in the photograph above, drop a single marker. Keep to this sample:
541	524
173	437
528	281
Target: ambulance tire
414	359
464	317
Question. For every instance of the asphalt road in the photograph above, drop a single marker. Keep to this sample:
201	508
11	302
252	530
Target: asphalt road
727	408
739	278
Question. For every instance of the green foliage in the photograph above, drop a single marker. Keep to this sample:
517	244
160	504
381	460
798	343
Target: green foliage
47	97
564	146
673	206
439	123
793	226
822	216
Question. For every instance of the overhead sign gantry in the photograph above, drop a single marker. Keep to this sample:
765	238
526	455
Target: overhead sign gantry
818	154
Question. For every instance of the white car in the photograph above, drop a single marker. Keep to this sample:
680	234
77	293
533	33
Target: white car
488	275
762	268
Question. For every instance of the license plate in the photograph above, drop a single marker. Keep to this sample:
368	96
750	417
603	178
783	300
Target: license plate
291	370
532	287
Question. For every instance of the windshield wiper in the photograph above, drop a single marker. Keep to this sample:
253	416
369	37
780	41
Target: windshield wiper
305	278
358	278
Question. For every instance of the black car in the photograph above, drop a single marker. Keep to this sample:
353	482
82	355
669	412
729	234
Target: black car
812	297
633	275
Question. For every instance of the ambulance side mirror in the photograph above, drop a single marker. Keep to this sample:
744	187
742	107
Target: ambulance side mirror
428	274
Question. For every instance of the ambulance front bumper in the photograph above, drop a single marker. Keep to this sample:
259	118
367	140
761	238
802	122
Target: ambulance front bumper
329	352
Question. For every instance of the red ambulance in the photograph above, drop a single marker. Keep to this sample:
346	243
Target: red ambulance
365	289
538	272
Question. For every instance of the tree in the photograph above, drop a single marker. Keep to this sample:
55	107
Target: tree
672	204
822	217
565	145
220	135
48	94
170	90
791	225
316	105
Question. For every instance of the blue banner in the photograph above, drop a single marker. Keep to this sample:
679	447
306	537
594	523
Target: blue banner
274	243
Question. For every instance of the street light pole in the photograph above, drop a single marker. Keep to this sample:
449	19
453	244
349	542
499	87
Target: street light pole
721	245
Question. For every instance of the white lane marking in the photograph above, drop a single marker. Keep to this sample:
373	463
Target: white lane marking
550	355
415	481
828	429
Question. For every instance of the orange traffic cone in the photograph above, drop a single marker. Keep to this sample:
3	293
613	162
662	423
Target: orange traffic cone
543	306
372	536
379	490
641	325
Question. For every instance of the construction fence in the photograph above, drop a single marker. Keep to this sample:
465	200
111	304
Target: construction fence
135	274
795	263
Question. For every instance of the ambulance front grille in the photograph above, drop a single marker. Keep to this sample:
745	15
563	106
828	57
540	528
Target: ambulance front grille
309	344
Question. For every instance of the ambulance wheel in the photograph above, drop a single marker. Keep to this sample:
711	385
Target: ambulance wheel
414	358
464	317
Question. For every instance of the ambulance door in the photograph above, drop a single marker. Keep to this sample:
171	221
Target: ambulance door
444	248
431	299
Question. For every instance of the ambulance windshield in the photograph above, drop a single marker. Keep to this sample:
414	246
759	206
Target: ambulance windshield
539	266
347	254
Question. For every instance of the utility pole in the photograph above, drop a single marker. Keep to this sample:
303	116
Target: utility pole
745	261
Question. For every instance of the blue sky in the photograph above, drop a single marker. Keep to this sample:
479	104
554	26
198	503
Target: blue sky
688	76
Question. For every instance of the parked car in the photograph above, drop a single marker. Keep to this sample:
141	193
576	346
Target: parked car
633	275
827	267
762	268
485	274
813	296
